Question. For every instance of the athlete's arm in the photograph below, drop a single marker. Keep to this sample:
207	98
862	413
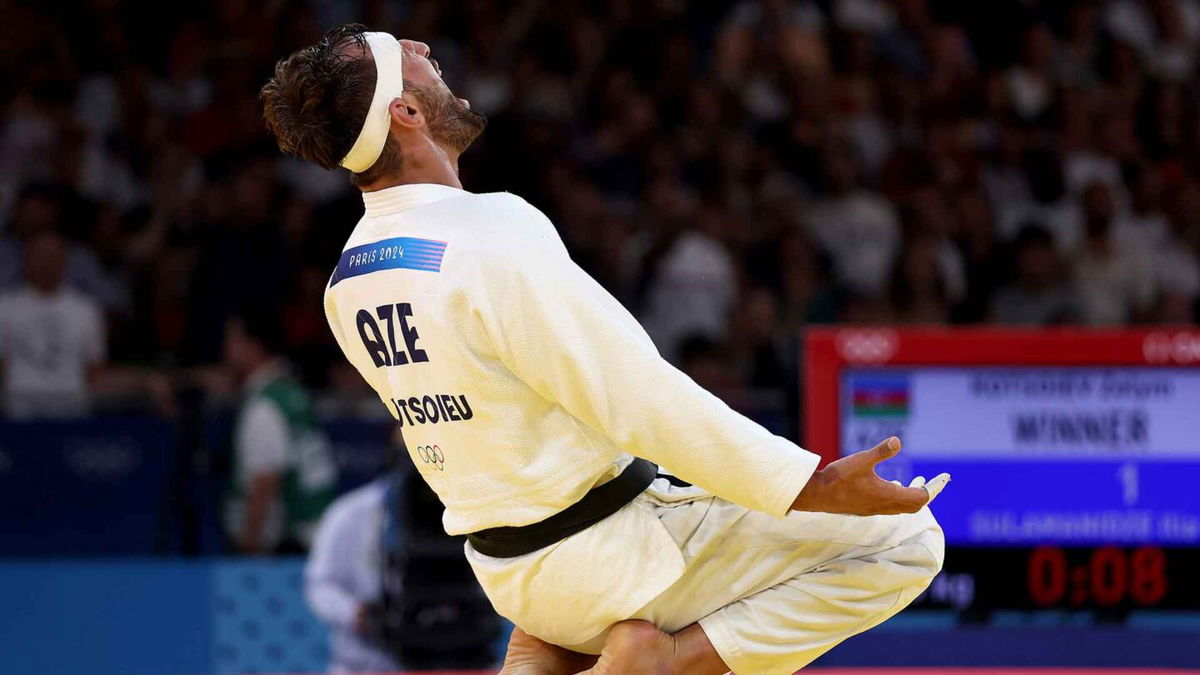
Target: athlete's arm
560	332
260	494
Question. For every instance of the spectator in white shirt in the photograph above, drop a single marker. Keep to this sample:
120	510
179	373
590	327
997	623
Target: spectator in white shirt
52	338
685	280
1049	204
1115	282
1164	32
858	228
1143	225
344	577
1031	81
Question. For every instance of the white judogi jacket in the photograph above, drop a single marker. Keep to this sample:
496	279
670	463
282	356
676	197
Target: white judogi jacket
520	383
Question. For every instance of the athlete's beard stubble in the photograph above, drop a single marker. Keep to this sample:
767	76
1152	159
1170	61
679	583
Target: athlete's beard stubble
452	125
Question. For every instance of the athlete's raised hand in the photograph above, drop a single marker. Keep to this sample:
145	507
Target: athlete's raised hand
851	486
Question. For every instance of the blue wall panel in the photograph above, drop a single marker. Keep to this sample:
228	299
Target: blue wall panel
144	617
104	618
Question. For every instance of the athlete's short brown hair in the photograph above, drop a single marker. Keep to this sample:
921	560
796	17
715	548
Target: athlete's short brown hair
317	100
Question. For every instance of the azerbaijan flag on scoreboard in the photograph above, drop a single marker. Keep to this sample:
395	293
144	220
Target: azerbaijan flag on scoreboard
880	396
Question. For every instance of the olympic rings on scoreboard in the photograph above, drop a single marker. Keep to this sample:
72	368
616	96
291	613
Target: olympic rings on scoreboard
867	345
432	454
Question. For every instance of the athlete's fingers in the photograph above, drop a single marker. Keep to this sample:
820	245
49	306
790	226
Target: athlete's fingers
915	498
935	486
885	450
902	499
896	483
919	481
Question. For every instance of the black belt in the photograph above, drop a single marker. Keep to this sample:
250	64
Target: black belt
599	503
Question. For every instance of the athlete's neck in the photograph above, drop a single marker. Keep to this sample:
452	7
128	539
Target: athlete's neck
436	166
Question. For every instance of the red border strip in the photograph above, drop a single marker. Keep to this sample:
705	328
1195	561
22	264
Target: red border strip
828	350
911	670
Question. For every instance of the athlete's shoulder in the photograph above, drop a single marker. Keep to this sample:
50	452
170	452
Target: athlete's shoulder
504	220
508	203
508	208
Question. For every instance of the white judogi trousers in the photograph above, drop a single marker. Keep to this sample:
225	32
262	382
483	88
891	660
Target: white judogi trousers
772	594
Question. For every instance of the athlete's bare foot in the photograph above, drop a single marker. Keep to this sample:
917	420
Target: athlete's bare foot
636	648
640	648
528	655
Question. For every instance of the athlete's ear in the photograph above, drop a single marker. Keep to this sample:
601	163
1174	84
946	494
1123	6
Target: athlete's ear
406	114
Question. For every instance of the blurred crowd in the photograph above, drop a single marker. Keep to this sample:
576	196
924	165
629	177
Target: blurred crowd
731	170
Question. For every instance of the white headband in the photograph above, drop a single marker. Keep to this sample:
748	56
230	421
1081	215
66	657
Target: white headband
389	84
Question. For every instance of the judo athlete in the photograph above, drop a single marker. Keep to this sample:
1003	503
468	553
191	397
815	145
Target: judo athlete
539	411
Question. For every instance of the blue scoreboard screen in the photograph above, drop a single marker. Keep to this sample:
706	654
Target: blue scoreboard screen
1041	455
1074	453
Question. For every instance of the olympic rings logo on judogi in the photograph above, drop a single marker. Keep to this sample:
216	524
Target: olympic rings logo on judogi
432	454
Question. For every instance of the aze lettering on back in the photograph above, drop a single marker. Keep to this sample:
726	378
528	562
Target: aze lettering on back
390	353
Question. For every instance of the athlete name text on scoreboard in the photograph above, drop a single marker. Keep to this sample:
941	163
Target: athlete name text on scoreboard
1052	455
1027	412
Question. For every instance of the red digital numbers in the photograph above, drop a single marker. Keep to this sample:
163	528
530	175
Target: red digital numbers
1047	575
1111	576
1108	570
1148	581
